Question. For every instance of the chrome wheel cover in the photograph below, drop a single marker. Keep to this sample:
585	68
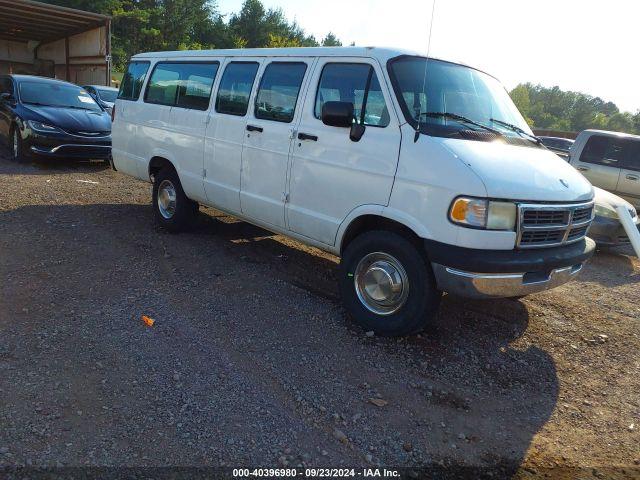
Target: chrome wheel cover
167	199
381	283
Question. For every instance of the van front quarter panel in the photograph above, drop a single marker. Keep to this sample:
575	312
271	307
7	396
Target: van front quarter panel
428	179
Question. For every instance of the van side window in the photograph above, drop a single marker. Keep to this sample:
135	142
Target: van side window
603	151
278	92
132	81
185	85
356	83
631	159
235	88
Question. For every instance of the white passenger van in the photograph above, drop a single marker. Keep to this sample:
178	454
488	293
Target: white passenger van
421	185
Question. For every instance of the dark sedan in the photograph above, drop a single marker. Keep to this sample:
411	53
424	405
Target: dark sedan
42	117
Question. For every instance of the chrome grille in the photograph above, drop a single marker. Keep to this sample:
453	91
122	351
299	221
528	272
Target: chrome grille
545	217
552	225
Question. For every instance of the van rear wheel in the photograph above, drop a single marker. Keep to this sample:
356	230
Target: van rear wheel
173	210
387	284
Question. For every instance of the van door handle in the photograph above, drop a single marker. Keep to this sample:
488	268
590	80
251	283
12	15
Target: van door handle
584	169
306	136
632	177
253	128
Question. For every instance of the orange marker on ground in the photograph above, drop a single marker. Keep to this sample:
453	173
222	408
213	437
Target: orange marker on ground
148	321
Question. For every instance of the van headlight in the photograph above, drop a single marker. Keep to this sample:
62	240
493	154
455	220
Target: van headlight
483	213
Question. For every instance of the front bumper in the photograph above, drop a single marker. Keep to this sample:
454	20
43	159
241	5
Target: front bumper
73	151
609	232
505	273
63	145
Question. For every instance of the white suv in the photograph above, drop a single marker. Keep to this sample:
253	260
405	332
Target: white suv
420	185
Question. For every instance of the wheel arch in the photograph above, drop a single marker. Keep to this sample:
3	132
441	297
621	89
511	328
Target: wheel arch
377	217
159	161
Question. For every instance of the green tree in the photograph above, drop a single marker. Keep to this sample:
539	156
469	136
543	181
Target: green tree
331	41
556	109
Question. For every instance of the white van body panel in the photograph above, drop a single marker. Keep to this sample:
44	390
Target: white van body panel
333	175
428	179
266	156
313	190
521	173
128	145
224	138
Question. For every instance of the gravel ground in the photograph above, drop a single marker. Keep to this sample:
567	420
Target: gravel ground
251	361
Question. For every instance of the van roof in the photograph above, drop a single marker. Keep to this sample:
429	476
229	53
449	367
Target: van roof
380	53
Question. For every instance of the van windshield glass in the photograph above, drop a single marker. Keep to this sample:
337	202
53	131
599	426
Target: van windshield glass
451	91
57	95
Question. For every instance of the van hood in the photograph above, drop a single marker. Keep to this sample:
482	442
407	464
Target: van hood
72	119
521	173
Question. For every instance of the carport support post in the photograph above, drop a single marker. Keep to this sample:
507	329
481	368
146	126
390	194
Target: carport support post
108	66
66	59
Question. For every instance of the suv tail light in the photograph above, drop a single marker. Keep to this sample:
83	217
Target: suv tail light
113	114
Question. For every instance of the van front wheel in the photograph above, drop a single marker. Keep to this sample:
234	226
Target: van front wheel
387	285
173	210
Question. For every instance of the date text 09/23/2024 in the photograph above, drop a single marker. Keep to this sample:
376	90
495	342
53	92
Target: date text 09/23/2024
317	472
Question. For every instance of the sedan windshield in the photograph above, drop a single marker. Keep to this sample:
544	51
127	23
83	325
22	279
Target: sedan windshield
107	95
443	99
57	95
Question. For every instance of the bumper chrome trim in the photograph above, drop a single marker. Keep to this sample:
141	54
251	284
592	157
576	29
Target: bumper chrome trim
497	285
71	145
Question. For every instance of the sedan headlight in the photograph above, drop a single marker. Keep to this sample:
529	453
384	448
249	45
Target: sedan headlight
42	127
483	213
605	211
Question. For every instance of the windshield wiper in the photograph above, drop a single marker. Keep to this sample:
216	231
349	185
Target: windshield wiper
517	129
460	118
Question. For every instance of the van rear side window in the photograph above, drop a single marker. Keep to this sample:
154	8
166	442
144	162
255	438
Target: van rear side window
278	91
235	88
133	80
185	85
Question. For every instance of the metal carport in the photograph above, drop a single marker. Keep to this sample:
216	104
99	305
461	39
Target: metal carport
42	39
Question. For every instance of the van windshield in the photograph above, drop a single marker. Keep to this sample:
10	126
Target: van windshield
443	102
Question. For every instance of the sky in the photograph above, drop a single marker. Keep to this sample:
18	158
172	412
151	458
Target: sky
588	46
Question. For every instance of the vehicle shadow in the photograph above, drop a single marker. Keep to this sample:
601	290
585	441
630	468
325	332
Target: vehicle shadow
472	389
47	167
613	267
473	357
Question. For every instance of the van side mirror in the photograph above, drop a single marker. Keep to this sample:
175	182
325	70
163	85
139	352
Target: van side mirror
356	133
340	114
337	114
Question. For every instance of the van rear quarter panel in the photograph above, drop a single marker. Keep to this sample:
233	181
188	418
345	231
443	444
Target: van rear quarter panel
129	154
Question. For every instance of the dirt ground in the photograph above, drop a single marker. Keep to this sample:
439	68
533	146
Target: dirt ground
252	362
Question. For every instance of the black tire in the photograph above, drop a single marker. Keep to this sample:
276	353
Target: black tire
15	145
420	306
181	216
